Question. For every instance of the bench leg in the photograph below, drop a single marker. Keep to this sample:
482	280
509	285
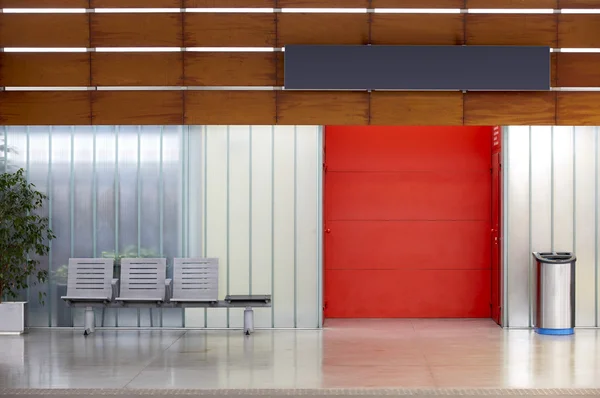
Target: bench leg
248	321
90	321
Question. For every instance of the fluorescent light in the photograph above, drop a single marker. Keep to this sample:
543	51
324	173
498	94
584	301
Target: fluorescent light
325	10
231	10
580	11
45	49
417	10
580	50
510	11
46	88
134	10
231	49
138	49
575	88
44	10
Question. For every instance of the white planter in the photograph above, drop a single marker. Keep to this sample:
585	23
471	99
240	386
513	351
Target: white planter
13	317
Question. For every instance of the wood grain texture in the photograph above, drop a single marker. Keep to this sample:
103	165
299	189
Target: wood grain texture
44	3
509	108
579	31
578	4
554	70
323	29
132	30
578	70
48	108
280	69
49	70
229	30
135	3
512	3
324	3
230	107
331	108
44	30
137	107
416	108
229	3
230	69
417	29
137	69
506	29
578	108
418	3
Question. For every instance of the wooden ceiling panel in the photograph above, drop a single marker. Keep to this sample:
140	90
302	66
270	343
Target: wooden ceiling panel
44	3
137	69
515	29
578	70
230	69
44	30
44	69
416	108
230	107
417	29
512	3
418	3
323	3
323	29
579	31
48	108
316	108
135	3
578	3
137	107
578	108
229	30
509	108
229	3
133	30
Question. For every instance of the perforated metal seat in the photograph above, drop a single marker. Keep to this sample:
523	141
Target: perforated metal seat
91	280
143	280
195	280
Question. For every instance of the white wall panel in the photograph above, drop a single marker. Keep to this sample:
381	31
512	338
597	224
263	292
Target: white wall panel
562	183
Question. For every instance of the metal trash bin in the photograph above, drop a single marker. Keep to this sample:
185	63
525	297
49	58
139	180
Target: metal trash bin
555	293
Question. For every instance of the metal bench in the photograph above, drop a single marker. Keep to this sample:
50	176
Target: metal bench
195	280
143	281
90	282
248	301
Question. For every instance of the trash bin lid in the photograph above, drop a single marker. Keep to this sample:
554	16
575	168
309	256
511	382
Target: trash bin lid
555	257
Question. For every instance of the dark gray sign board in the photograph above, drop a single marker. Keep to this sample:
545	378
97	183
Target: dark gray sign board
490	68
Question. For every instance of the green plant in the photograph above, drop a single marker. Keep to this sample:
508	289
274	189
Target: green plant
5	165
23	232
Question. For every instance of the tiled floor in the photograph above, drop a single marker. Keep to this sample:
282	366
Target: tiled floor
353	353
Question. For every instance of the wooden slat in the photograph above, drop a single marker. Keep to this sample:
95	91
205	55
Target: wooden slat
512	3
44	3
323	29
135	3
331	108
416	108
230	107
579	31
137	69
578	70
230	3
578	108
230	69
44	30
137	107
509	108
418	3
519	30
45	108
554	70
229	30
39	70
280	69
131	30
578	4
419	29
324	3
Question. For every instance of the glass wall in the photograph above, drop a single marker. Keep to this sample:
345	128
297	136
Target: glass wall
249	195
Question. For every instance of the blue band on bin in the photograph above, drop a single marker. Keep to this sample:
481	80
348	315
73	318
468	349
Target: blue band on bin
555	332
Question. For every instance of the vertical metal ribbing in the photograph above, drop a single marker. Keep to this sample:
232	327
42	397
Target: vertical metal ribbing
273	226
184	198
574	244
139	208
27	167
49	185
295	227
205	203
116	189
505	230
72	195
5	166
227	217
596	221
552	189
320	228
530	228
250	212
94	196
161	207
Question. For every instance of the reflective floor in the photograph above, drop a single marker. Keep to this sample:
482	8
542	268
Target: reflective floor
351	353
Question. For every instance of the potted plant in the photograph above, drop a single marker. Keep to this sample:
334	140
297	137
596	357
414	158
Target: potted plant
23	234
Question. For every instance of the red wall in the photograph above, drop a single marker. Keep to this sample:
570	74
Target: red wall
408	215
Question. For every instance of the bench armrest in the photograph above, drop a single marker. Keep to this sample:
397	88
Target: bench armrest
115	288
168	289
